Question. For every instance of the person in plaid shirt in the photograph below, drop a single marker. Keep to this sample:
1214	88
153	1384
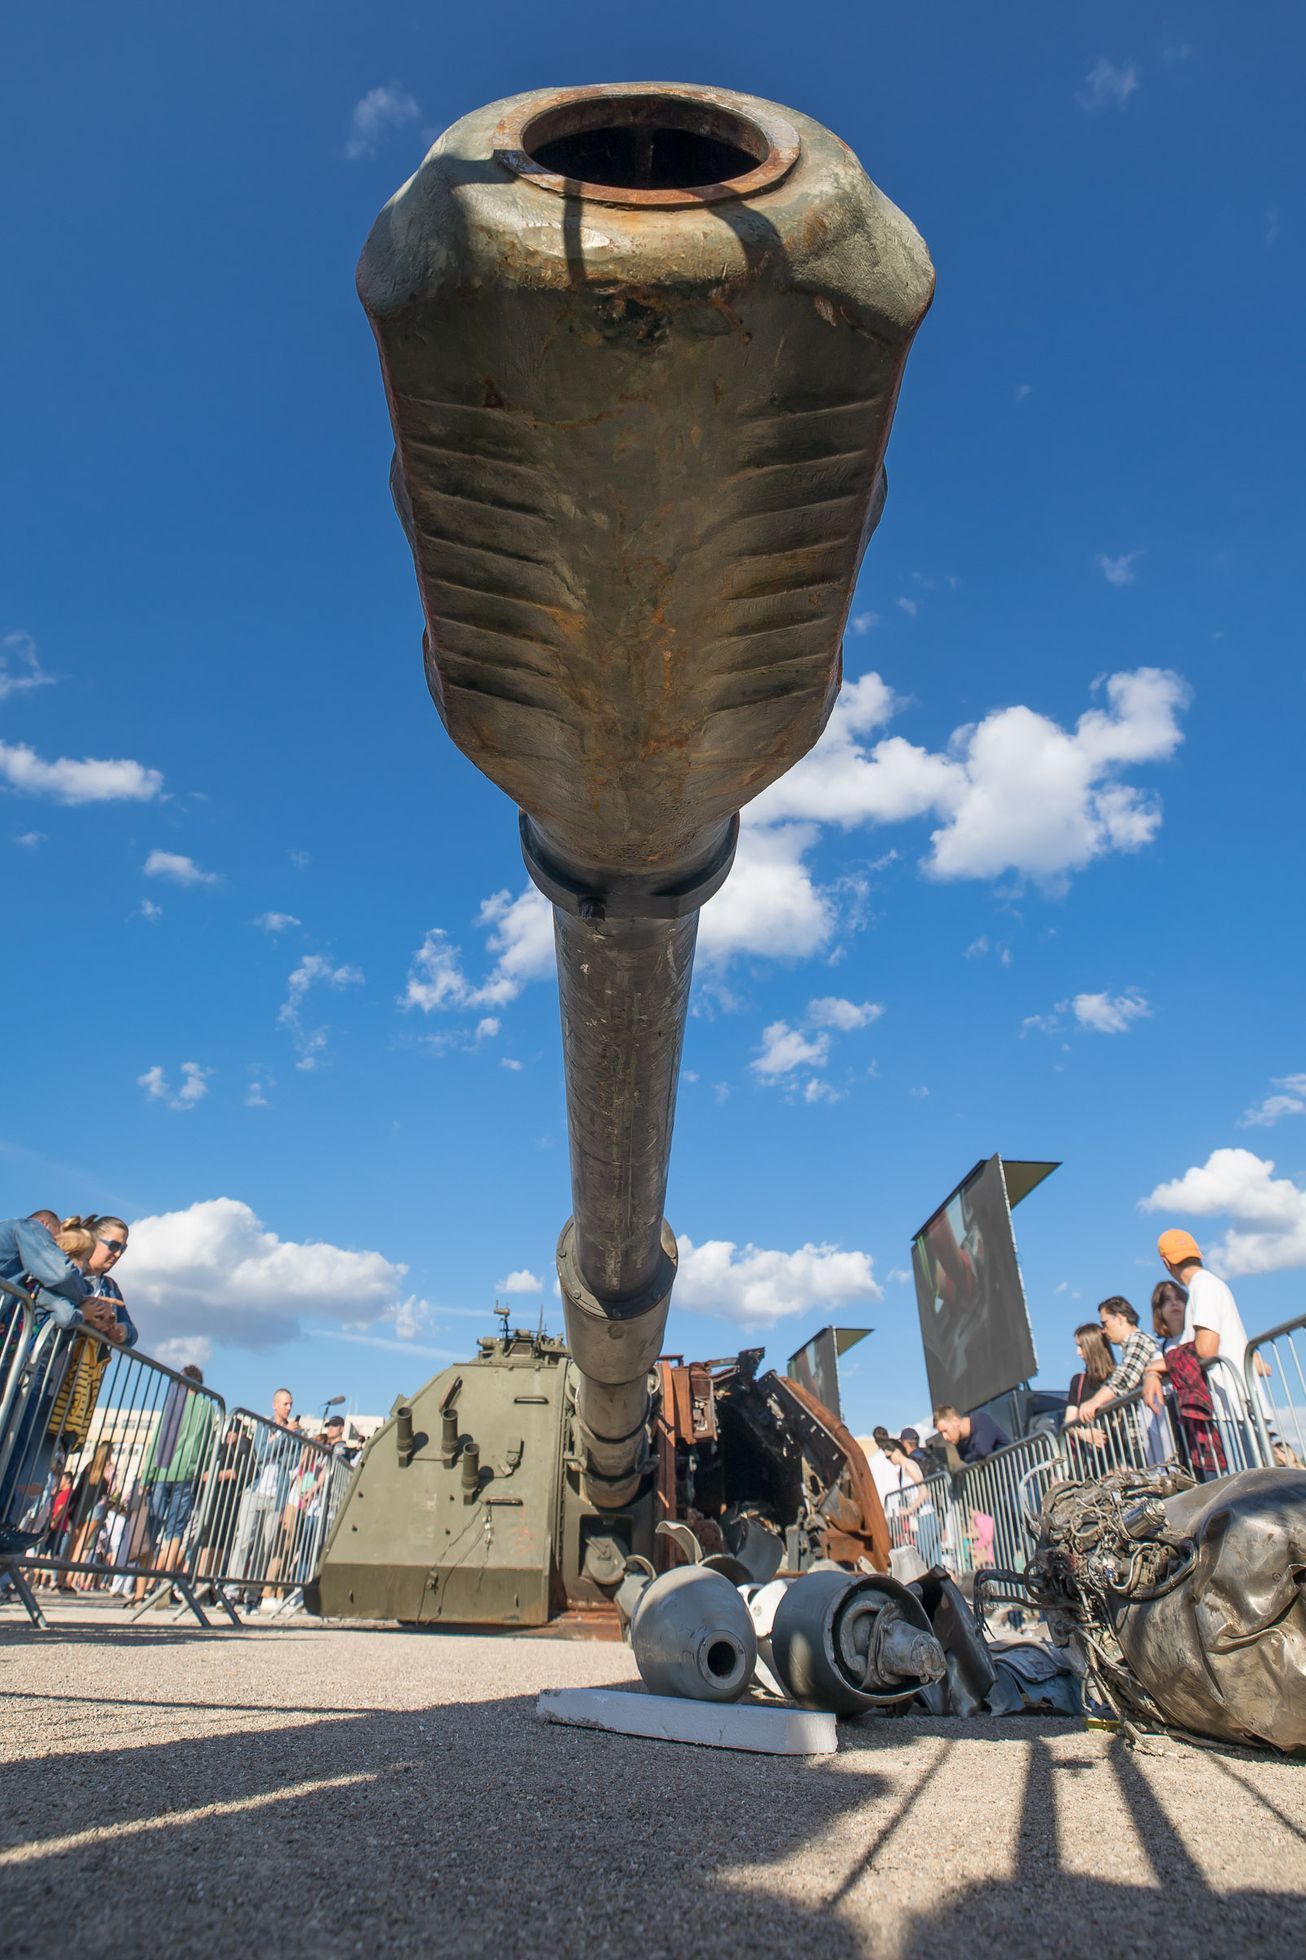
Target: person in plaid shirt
1137	1349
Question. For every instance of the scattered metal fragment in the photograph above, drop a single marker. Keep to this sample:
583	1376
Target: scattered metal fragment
1188	1600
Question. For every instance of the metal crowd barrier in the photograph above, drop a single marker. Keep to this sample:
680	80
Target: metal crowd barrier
17	1332
1275	1387
986	1525
105	1454
917	1517
272	1498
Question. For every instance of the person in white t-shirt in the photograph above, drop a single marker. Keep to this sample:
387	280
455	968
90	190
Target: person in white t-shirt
1212	1323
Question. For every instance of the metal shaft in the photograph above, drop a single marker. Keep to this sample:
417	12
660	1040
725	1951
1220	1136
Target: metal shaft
624	993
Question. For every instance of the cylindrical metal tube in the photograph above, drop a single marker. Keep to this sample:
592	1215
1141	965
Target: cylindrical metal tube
623	987
642	347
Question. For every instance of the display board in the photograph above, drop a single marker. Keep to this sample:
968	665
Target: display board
815	1367
974	1319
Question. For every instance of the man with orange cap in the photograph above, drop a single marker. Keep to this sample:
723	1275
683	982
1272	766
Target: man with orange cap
1212	1321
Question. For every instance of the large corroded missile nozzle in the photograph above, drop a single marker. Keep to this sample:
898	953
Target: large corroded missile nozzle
642	347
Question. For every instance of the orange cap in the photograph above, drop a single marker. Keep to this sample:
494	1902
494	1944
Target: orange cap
1176	1246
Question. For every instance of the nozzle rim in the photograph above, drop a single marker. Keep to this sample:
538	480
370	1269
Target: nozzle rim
513	137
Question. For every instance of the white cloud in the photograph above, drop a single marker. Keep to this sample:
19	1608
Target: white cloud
30	839
1269	1213
769	905
758	1287
1016	792
66	781
1118	571
193	1088
1023	391
184	1351
864	622
214	1271
277	921
313	970
380	111
817	1090
20	670
177	869
487	1029
510	1063
832	1012
899	1276
300	859
785	1048
1289	1101
519	931
1107	85
256	1096
147	909
520	1281
910	606
1110	1013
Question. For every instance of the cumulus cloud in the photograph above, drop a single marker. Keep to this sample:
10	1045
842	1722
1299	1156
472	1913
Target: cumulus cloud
183	1352
519	931
1118	571
178	869
215	1272
379	112
758	1287
845	1015
20	670
522	1280
817	1090
277	921
785	1049
1108	85
1110	1013
1289	1099
769	906
67	781
193	1088
1269	1213
313	971
147	909
30	839
1015	792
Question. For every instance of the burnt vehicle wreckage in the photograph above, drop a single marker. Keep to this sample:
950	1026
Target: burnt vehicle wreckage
642	347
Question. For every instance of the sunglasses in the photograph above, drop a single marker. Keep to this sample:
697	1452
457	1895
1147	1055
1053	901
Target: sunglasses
114	1245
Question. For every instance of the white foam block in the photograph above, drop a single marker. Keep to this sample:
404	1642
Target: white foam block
712	1724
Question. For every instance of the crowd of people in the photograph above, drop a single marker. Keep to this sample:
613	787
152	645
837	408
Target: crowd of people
1181	1399
121	1498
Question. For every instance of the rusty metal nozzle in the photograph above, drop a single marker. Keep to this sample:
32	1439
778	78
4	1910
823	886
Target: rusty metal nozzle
642	346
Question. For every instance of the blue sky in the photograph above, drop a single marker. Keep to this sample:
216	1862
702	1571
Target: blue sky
1039	895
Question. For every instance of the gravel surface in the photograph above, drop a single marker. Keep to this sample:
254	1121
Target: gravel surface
298	1789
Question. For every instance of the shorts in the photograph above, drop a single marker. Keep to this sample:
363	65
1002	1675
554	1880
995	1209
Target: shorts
170	1509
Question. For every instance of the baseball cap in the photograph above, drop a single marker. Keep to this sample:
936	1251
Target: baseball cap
911	1435
1176	1245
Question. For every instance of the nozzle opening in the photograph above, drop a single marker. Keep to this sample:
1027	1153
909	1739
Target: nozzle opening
645	143
722	1659
647	146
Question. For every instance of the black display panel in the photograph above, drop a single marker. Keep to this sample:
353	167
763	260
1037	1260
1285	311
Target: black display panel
974	1321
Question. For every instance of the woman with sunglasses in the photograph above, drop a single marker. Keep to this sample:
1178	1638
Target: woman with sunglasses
110	1243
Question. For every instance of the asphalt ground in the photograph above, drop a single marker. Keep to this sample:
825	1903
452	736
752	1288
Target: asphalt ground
296	1789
